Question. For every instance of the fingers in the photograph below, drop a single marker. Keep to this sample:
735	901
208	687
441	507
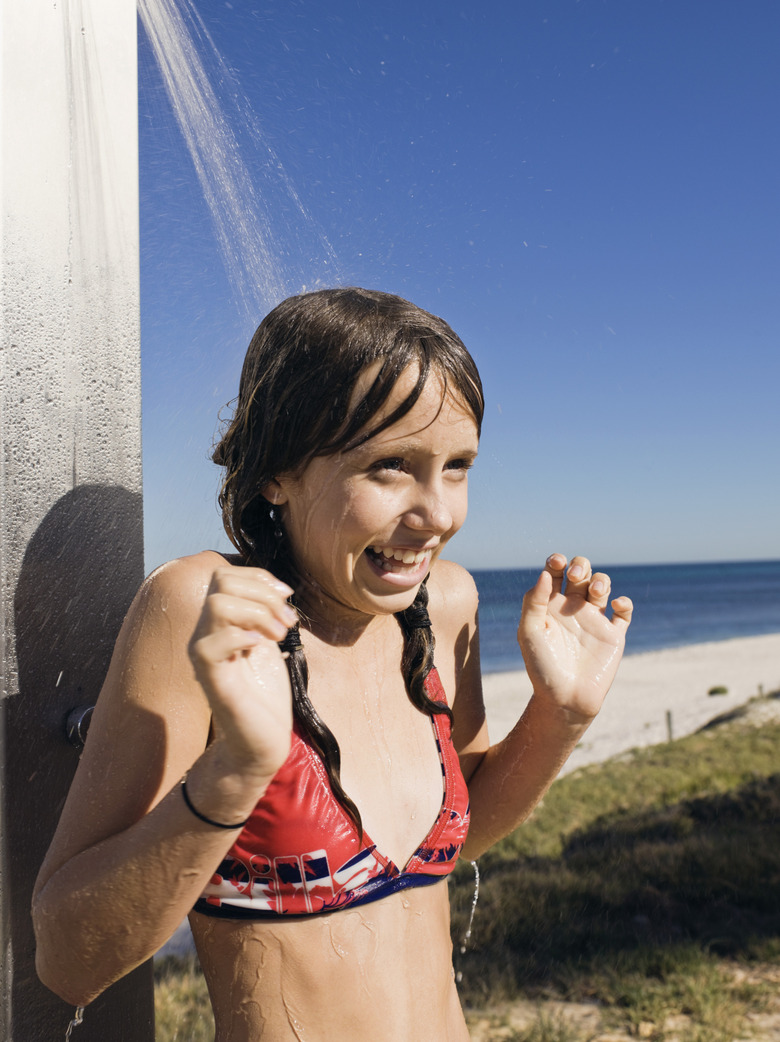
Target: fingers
555	565
271	618
225	644
599	589
242	606
582	581
578	577
537	599
251	582
622	610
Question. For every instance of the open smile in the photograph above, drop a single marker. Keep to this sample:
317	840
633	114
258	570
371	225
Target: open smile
406	564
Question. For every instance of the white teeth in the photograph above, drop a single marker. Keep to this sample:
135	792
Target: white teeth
402	556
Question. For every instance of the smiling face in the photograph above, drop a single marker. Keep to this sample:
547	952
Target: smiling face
364	525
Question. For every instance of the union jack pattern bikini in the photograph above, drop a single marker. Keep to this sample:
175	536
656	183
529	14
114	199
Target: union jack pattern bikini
300	853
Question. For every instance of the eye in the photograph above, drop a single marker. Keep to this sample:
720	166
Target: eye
460	465
393	463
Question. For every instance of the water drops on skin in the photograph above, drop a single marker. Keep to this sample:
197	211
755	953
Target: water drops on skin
247	1014
352	935
294	1022
336	945
375	720
467	935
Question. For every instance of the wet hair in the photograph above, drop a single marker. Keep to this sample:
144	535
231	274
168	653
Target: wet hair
297	400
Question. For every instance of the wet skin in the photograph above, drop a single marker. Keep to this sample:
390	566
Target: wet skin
198	682
379	972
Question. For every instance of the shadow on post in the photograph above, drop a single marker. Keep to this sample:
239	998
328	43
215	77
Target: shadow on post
79	574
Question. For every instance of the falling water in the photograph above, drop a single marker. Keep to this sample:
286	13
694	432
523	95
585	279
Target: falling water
467	935
261	269
78	1017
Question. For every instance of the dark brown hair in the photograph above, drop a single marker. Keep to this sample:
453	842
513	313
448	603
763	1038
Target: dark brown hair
296	401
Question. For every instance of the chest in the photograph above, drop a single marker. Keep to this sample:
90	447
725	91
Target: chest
390	762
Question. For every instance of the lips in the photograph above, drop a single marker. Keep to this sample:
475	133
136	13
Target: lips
402	563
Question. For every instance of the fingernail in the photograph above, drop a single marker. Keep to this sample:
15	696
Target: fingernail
576	572
597	587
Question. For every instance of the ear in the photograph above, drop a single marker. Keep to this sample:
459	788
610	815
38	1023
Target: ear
274	493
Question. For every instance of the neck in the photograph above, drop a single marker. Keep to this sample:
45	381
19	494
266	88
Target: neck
334	623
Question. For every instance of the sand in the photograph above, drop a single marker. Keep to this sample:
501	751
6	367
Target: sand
650	685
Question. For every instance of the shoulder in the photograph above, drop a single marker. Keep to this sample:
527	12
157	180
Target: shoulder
184	576
175	591
452	593
453	601
150	667
152	718
452	606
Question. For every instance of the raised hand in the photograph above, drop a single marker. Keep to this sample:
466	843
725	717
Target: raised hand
570	647
239	665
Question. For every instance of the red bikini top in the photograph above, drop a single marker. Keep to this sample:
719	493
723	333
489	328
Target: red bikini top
300	853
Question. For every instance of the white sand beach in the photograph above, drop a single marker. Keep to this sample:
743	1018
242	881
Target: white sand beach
649	685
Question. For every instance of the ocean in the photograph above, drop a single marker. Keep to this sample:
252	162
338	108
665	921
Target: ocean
674	604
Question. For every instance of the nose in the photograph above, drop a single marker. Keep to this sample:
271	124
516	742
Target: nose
430	511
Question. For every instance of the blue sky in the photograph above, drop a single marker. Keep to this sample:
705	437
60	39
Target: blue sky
587	190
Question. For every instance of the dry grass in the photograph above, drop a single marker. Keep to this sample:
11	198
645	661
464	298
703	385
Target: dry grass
181	1002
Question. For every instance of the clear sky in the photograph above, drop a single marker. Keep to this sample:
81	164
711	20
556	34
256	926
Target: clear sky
587	190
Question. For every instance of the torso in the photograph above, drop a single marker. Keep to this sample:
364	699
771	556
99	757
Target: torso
301	854
381	971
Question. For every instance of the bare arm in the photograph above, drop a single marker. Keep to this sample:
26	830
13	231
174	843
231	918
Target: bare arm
571	652
129	859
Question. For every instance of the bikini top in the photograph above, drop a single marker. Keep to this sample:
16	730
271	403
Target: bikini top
300	853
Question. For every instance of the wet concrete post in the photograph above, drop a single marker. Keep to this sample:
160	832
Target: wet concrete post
71	551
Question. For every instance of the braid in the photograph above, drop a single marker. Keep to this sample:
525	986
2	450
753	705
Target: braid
417	659
314	728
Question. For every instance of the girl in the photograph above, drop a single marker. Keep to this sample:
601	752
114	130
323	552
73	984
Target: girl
274	751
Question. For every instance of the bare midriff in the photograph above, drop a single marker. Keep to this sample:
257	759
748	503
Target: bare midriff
378	973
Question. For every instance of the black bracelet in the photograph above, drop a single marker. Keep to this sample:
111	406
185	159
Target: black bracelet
202	817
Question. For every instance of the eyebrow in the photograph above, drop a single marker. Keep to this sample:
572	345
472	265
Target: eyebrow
408	448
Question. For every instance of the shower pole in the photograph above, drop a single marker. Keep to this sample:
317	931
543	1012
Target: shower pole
71	552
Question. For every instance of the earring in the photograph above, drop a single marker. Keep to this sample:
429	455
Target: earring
278	533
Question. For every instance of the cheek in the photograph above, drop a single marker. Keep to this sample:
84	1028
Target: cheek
325	523
459	507
371	509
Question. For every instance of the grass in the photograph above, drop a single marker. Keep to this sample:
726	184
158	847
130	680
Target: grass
182	1010
648	887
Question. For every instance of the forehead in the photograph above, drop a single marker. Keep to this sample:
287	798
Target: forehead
439	407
